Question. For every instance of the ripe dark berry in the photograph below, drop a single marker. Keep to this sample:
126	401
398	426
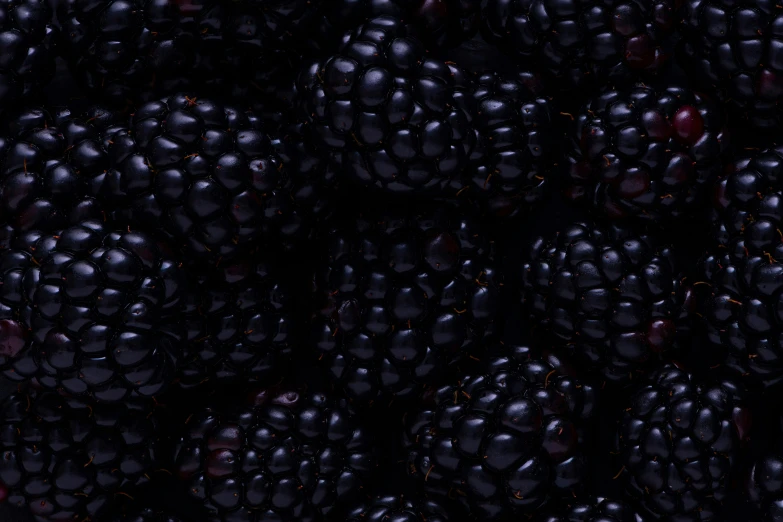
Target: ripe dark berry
395	508
291	457
97	308
732	49
515	153
647	153
588	43
613	296
402	294
680	441
590	510
505	441
400	120
66	459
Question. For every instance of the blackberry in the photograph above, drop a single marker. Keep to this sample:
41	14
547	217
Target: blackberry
679	440
47	163
647	153
741	297
291	457
613	295
517	141
27	46
395	508
402	294
65	459
504	441
240	325
208	175
126	50
591	510
88	311
402	122
734	49
586	43
765	486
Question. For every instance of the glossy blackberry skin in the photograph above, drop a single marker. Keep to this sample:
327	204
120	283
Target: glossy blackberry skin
740	285
89	311
735	49
402	294
291	457
585	43
395	508
517	144
401	121
679	440
28	48
47	162
208	175
503	442
239	326
65	459
591	510
613	295
764	486
647	153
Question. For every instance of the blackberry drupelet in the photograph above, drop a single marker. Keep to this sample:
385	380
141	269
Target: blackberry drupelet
240	324
47	164
517	144
736	50
615	297
88	311
647	153
504	441
292	457
586	43
403	293
591	510
764	486
401	121
209	176
65	459
679	441
741	285
395	508
27	47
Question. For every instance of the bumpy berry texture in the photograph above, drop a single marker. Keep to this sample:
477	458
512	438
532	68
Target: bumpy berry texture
27	46
65	459
591	510
291	457
387	508
614	296
239	324
517	146
47	162
646	153
87	311
402	294
764	486
401	121
741	295
208	175
736	50
503	442
585	43
679	440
